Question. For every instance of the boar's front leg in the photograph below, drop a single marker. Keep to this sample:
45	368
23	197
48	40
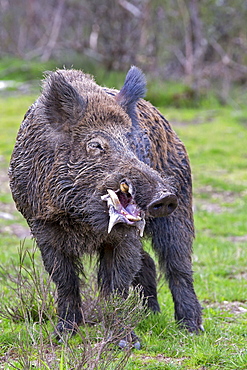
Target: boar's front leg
64	268
118	265
172	239
146	279
64	272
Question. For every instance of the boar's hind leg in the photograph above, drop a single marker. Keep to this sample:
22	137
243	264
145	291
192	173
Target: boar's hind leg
64	270
174	246
146	278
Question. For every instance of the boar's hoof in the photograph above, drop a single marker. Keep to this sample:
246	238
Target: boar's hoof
201	327
124	343
191	326
163	206
65	330
130	341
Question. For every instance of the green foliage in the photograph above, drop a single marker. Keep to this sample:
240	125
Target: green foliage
26	76
178	95
19	71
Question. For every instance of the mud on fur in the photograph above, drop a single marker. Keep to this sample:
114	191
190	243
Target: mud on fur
94	169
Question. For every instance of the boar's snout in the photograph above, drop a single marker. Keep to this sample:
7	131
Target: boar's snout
163	206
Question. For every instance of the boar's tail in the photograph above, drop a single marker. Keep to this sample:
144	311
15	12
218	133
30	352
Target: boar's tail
133	89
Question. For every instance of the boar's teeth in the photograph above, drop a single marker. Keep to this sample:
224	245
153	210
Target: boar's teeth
129	216
132	218
107	199
120	215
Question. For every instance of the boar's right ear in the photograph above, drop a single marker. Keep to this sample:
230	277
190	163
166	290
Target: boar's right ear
63	105
133	89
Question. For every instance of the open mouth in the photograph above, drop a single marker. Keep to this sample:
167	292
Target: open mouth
123	209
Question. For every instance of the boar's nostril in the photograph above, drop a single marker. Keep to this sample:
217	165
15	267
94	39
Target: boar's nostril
163	206
171	207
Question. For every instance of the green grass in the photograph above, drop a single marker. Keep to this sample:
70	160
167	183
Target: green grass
216	142
12	113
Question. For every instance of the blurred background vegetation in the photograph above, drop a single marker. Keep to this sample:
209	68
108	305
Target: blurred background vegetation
201	45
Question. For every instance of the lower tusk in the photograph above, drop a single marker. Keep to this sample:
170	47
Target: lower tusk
115	218
140	225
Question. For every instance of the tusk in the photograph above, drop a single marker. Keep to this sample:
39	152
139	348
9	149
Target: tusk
124	187
140	225
115	201
115	218
118	214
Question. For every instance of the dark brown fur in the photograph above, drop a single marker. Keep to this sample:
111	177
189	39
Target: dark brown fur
78	140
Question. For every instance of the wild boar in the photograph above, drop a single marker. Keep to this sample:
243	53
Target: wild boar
92	171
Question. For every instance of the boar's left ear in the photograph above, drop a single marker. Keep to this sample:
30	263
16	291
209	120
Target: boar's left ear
63	105
133	89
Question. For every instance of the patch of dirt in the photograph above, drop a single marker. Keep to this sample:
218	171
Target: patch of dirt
21	232
13	355
237	239
239	276
4	179
209	189
8	210
234	307
163	358
214	202
209	207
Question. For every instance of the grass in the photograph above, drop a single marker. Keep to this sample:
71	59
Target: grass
216	141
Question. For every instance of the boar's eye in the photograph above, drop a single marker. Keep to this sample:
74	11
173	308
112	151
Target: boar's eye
95	147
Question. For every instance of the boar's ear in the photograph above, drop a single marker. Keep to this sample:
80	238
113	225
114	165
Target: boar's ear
63	105
133	89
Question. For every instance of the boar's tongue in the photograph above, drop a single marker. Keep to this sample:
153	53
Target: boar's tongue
123	209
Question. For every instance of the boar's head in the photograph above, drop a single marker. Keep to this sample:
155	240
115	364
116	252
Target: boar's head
85	165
